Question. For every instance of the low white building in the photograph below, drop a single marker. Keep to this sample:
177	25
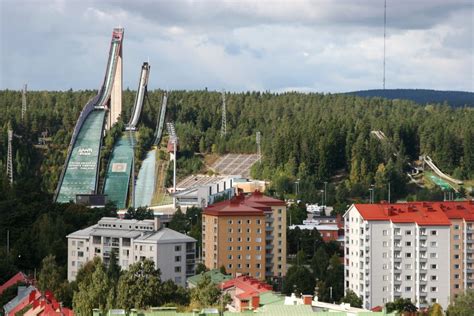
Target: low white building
132	241
397	251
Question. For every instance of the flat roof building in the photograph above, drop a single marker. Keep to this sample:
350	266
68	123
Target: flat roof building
131	241
417	250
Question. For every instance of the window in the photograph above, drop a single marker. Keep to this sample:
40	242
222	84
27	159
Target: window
248	230
408	289
229	222
408	266
239	266
248	221
239	222
433	255
434	289
239	248
80	254
456	237
247	257
239	257
408	277
456	266
385	277
229	257
434	266
385	267
456	256
456	276
456	246
229	239
408	244
384	255
258	221
177	280
434	232
177	269
434	244
229	230
456	286
456	227
434	300
408	254
73	263
258	248
385	244
177	259
229	248
408	232
385	232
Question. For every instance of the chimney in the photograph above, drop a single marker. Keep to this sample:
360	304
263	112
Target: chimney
307	299
157	223
255	302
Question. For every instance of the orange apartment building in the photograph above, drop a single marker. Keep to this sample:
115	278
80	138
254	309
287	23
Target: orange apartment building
461	215
246	235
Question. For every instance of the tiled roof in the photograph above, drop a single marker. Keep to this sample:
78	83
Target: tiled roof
422	213
19	277
255	204
248	285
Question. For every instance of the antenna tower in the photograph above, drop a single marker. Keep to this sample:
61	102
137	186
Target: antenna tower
259	151
10	157
224	118
384	37
23	102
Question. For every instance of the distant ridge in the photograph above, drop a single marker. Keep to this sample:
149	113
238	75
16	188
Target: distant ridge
421	96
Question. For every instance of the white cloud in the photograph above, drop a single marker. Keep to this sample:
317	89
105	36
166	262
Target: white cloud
239	45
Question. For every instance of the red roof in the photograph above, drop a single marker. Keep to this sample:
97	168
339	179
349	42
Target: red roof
422	213
255	204
248	285
19	277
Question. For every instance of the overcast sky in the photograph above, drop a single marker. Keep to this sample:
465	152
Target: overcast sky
319	45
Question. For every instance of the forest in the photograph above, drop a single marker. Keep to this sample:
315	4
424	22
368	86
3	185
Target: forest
310	138
316	140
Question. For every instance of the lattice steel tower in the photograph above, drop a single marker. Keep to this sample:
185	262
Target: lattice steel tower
23	102
259	151
10	156
224	117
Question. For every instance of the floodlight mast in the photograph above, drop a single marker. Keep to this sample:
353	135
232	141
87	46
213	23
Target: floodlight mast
174	141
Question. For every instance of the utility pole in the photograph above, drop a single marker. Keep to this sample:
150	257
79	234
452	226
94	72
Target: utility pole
23	103
224	117
10	157
259	151
325	194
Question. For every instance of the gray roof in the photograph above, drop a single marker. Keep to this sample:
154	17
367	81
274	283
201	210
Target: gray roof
22	293
165	235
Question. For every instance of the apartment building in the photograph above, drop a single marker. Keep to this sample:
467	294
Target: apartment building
132	241
399	251
246	235
461	252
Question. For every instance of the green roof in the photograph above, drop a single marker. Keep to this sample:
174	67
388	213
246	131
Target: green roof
216	277
271	298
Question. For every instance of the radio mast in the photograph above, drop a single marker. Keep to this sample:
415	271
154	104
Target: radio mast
224	118
10	157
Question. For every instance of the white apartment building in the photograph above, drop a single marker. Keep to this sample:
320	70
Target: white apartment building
397	251
133	240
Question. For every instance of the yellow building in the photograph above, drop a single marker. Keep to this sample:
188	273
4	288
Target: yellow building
246	235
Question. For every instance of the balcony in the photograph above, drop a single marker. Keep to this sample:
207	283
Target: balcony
397	237
269	219
268	228
469	250
269	255
423	294
397	281
423	236
469	258
269	246
470	241
268	237
397	246
423	246
423	281
397	259
422	259
470	228
423	269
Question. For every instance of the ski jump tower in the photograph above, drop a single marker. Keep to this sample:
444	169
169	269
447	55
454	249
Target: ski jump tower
115	105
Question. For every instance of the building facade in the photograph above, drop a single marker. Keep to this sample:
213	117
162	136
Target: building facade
422	251
131	241
246	235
